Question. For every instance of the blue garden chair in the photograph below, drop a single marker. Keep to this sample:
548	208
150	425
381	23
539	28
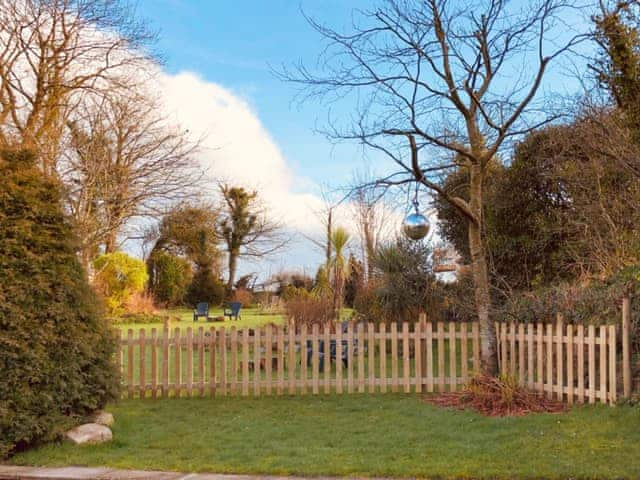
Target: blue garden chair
201	310
232	310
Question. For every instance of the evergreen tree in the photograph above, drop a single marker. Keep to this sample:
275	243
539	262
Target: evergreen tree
56	348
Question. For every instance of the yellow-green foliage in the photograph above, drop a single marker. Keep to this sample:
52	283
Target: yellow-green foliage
118	277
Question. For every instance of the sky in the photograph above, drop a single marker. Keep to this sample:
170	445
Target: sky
218	62
218	82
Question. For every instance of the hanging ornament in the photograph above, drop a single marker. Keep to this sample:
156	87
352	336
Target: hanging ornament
415	225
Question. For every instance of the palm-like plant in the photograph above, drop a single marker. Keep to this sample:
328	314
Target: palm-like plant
339	266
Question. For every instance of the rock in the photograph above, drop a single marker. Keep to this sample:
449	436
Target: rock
103	418
89	433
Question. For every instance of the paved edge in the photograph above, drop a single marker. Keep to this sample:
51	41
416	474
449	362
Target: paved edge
12	472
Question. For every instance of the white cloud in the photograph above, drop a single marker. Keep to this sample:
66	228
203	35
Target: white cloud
237	147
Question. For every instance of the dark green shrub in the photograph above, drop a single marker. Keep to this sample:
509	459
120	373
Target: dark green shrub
56	348
169	278
205	287
403	281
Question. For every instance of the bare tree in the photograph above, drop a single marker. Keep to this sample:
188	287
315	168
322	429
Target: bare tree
55	52
371	215
246	228
454	79
326	217
125	161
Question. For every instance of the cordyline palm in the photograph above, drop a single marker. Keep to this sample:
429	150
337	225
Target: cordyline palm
339	267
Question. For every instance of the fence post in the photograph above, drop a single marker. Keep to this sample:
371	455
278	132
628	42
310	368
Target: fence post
626	361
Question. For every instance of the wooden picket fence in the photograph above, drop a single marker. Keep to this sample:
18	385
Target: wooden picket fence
568	362
416	357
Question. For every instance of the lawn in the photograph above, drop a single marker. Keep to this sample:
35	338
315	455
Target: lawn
370	435
183	318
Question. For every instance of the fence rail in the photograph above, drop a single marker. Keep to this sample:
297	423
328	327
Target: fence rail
417	357
567	362
574	363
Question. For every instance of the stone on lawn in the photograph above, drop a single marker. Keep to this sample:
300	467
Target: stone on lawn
103	418
89	433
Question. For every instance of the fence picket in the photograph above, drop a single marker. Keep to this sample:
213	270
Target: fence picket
540	356
327	360
201	361
612	365
303	358
570	364
130	363
245	361
464	362
212	361
580	347
592	364
142	358
429	357
154	363
222	352
258	362
350	356
315	359
268	353
453	358
521	348
177	363
394	357
233	380
503	347
512	349
292	360
189	341
383	358
361	349
626	353
280	330
406	361
560	357
441	374
165	362
417	348
530	354
603	364
339	362
371	350
549	340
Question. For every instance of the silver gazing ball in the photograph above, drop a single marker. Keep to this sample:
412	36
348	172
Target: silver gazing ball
416	226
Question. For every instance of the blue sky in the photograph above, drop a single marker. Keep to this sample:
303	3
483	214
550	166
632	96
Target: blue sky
232	43
228	47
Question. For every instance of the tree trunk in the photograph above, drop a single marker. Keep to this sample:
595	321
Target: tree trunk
328	249
480	274
233	264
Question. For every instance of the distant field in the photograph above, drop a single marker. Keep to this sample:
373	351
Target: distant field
183	318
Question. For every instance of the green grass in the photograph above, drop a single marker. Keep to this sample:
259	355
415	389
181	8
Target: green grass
379	435
183	318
